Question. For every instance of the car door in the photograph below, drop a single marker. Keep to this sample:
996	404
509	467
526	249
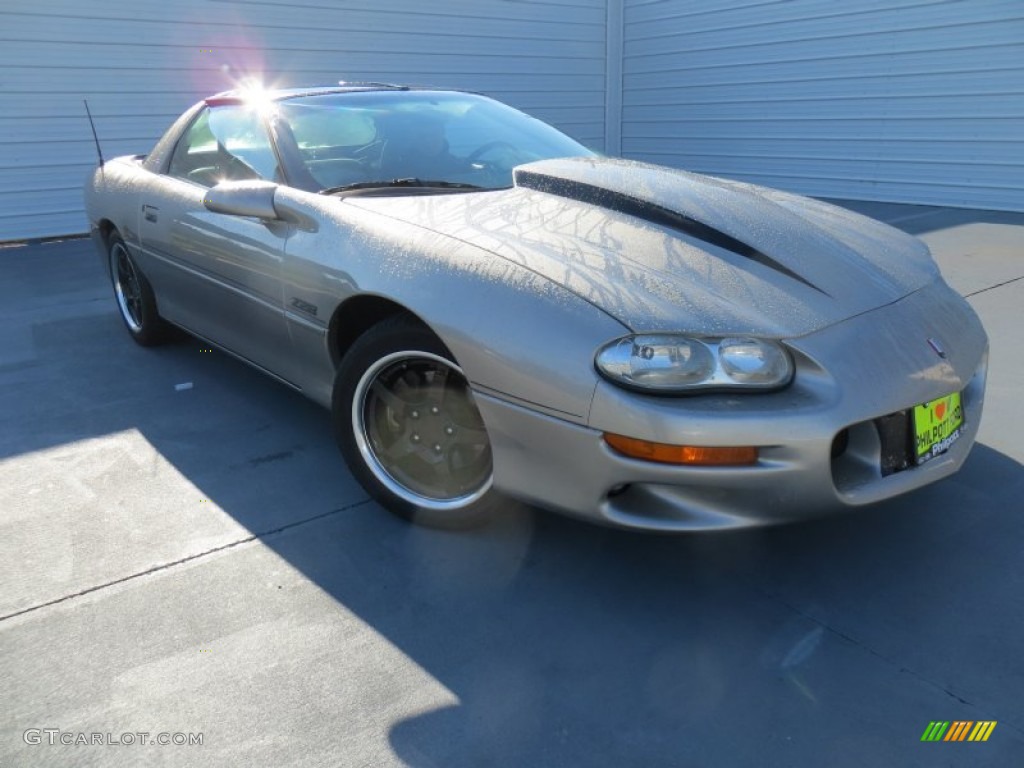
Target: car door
219	275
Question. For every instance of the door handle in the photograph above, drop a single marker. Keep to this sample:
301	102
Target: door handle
149	212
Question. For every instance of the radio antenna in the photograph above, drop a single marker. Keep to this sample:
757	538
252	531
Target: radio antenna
94	136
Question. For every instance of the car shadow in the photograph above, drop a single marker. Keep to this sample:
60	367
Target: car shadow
564	642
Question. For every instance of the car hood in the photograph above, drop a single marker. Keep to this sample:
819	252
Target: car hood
661	249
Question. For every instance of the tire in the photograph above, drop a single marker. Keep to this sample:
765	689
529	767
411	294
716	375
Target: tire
407	425
134	296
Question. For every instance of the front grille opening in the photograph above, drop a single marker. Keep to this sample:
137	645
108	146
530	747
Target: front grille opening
867	451
896	436
840	443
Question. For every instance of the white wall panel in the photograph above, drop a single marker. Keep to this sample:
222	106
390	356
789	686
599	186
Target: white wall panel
142	62
901	100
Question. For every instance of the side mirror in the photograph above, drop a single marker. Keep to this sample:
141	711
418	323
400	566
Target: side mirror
243	198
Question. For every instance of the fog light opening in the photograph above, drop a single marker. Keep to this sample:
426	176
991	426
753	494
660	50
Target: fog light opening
693	455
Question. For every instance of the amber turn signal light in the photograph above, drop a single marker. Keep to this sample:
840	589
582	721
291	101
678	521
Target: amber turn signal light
704	456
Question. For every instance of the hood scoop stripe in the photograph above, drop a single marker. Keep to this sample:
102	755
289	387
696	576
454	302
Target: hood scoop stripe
650	212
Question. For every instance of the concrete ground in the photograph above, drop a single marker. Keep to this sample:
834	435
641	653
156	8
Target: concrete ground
199	561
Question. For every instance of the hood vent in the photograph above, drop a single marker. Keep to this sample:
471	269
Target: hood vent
650	212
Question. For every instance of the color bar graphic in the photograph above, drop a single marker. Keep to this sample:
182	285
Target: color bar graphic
958	730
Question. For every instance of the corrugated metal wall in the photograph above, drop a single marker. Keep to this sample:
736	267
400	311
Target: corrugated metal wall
140	63
897	100
902	100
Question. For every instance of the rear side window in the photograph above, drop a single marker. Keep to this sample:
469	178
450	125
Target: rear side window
227	143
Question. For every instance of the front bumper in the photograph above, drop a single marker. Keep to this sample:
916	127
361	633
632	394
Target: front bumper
819	448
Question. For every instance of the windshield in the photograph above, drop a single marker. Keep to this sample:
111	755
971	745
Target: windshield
458	139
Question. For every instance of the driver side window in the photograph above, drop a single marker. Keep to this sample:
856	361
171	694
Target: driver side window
227	143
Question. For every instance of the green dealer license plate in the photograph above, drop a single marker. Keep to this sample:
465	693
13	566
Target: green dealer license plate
937	425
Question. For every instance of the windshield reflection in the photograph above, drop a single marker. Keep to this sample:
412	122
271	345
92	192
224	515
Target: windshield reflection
458	140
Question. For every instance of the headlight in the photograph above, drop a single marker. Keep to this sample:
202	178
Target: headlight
752	361
674	364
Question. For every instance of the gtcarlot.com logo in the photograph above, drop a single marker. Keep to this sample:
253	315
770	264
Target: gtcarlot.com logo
958	730
53	736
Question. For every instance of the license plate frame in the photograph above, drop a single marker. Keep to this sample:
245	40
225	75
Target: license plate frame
937	425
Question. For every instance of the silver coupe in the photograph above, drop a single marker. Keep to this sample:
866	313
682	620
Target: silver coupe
490	310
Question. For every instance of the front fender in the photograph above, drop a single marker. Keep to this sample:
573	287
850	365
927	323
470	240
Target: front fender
516	334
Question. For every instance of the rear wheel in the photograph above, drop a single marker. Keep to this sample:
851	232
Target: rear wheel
135	301
407	424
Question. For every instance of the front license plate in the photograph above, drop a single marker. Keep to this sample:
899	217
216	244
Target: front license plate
937	425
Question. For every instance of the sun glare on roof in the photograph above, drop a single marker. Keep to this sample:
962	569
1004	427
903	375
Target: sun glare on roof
255	94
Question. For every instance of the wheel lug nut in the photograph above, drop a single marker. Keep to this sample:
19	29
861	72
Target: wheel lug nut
415	438
437	447
415	414
449	430
434	410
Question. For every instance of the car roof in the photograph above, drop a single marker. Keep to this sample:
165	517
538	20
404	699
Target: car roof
239	95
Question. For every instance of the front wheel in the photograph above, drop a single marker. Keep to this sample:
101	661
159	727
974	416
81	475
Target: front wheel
407	424
135	301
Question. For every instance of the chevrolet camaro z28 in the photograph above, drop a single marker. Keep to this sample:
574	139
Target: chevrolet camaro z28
491	310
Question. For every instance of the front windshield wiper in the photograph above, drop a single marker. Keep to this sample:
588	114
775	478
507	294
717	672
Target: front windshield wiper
410	182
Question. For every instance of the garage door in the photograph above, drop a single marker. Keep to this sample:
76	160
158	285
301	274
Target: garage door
898	100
